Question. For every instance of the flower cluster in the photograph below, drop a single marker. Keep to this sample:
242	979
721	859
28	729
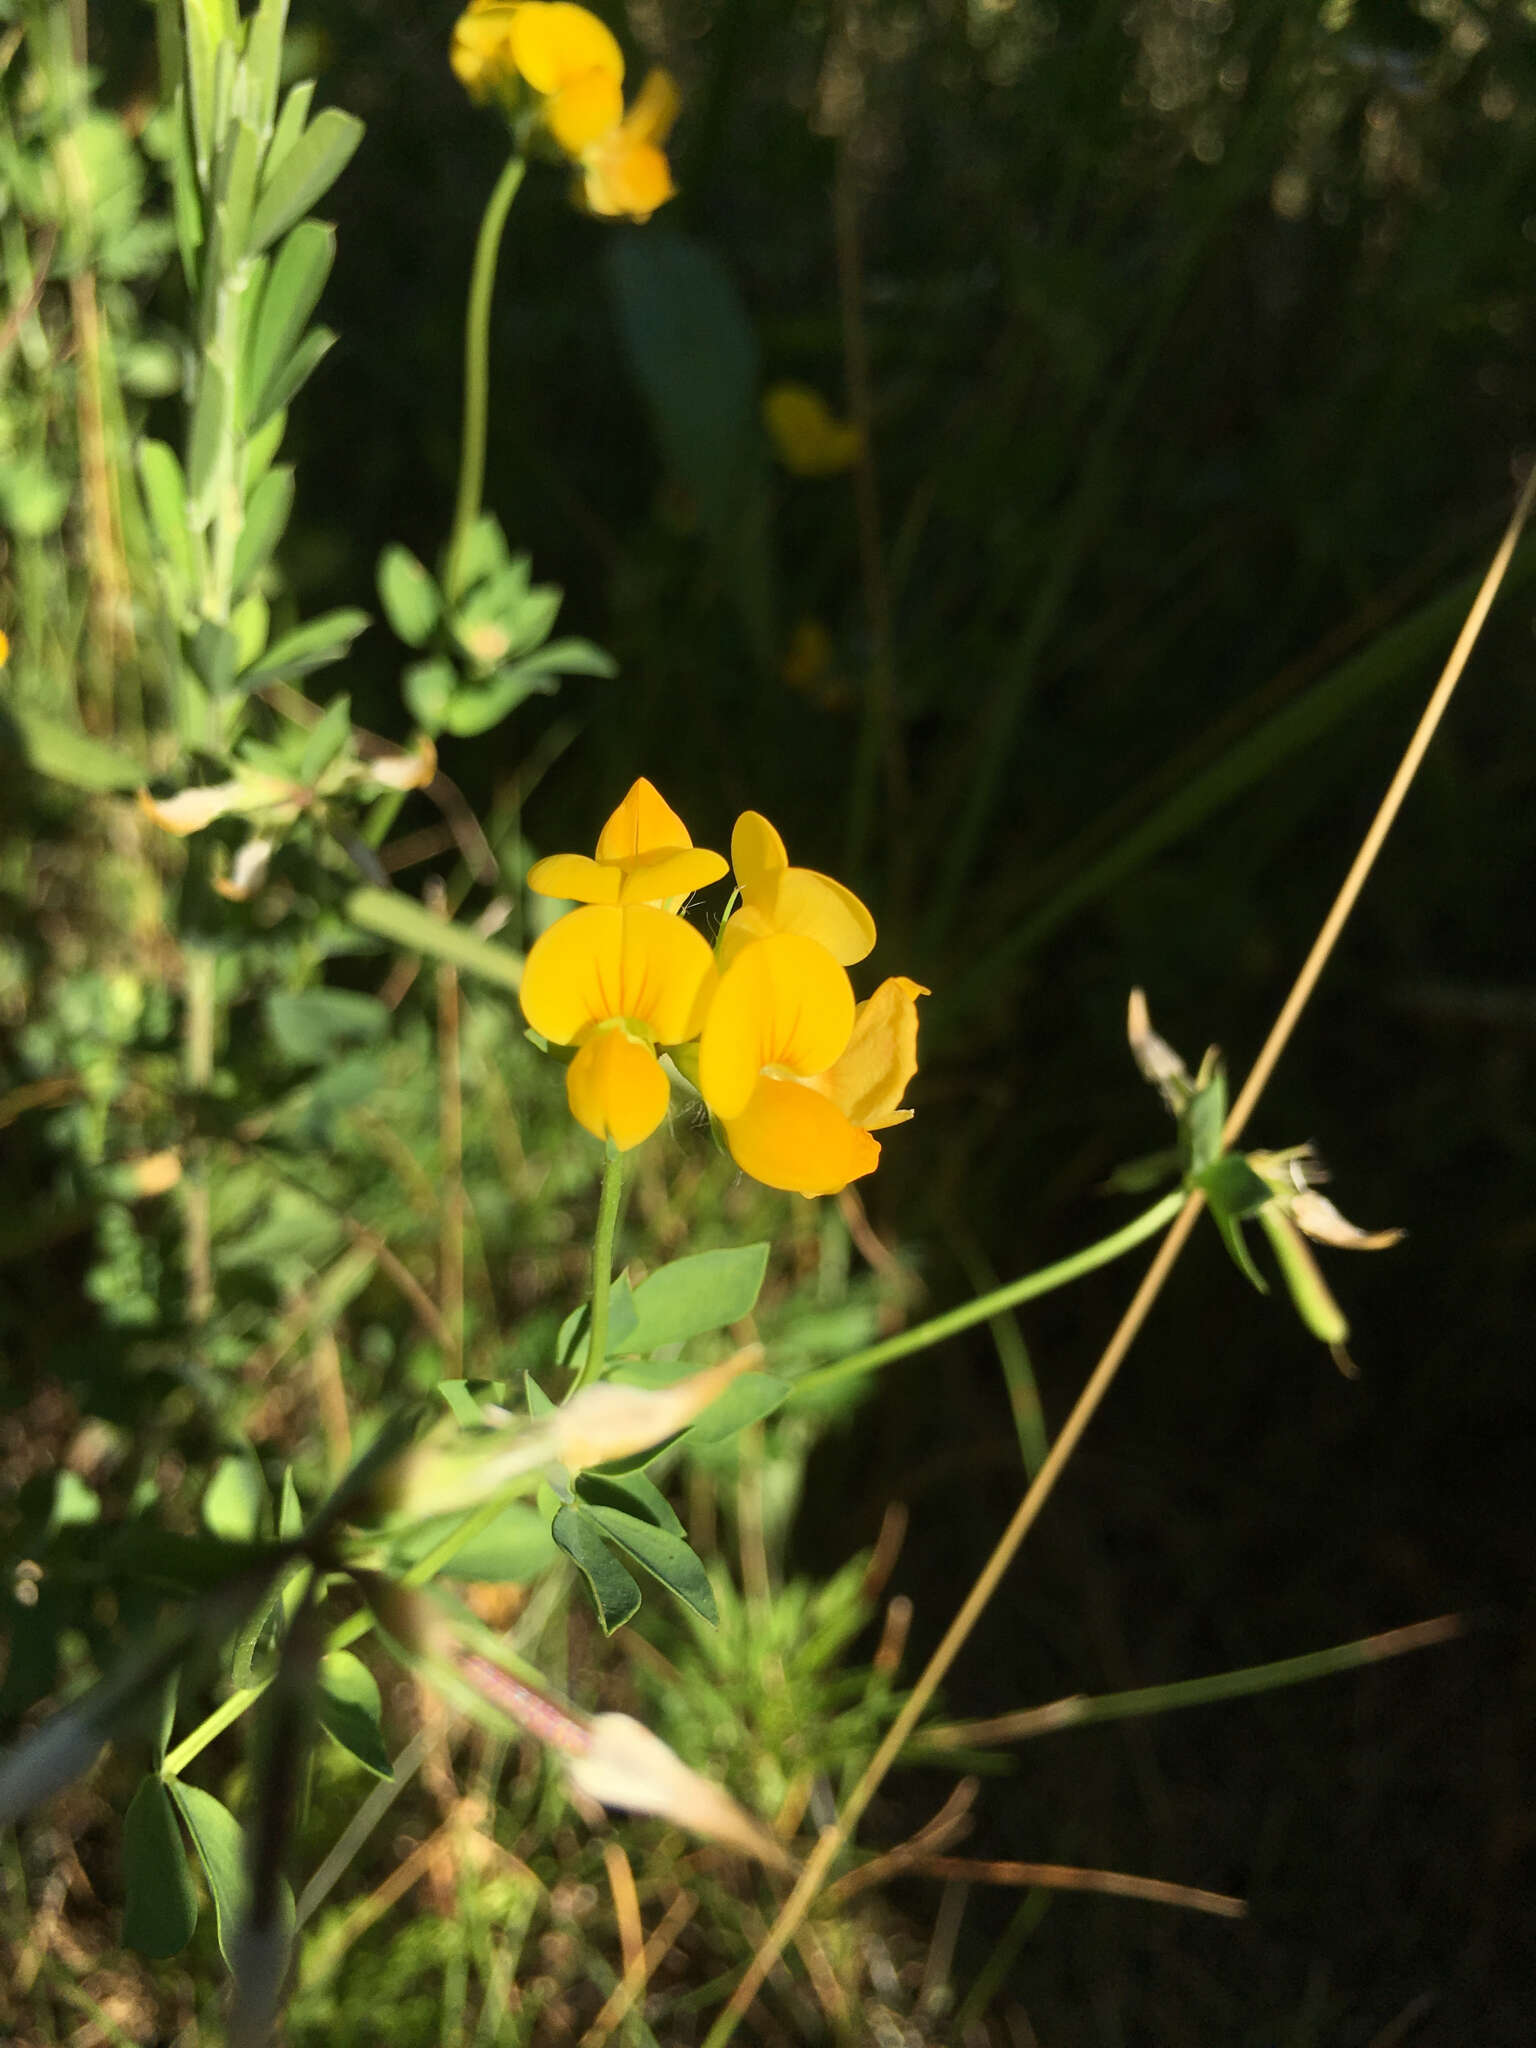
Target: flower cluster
569	64
796	1072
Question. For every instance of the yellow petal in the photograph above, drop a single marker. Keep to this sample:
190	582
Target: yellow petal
662	876
481	50
790	1137
616	1088
821	909
573	876
625	179
554	42
655	108
784	1002
583	110
785	899
869	1080
602	962
643	822
758	855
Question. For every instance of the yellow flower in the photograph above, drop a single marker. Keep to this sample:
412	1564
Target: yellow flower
778	898
618	982
625	173
807	436
797	1074
5	649
644	855
571	60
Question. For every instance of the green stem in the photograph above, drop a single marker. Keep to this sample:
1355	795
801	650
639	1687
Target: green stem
986	1306
602	1271
477	369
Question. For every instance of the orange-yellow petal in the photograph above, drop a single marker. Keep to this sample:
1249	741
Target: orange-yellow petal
575	877
655	109
869	1079
554	42
584	109
784	1002
790	1137
603	962
642	823
626	180
616	1087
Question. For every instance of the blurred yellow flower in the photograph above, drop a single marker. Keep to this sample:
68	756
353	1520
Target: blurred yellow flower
778	898
618	982
644	855
625	172
5	649
570	59
807	436
797	1074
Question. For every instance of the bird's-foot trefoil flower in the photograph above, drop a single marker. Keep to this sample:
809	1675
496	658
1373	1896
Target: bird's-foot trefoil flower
617	982
556	67
644	855
776	898
797	1073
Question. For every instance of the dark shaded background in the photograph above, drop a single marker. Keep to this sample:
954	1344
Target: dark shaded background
1201	360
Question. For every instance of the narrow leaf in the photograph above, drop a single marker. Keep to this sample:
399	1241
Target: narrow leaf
632	1494
614	1592
309	169
220	1844
266	516
411	600
212	418
161	1906
288	298
288	377
165	500
310	646
52	748
406	924
665	1557
290	125
350	1710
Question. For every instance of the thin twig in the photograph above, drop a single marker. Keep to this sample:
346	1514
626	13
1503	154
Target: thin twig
631	1986
1067	1877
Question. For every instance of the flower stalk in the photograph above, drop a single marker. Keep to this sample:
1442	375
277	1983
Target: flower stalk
477	369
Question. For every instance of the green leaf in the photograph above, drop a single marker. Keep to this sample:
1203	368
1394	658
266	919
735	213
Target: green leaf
515	1548
411	600
235	1502
571	1343
310	646
689	1296
1231	1185
291	292
461	1403
327	737
52	748
219	1841
264	59
266	517
290	125
614	1592
200	43
406	924
350	1710
483	553
316	1024
744	1402
165	501
1201	1124
307	171
290	1511
1309	1291
665	1557
242	163
428	689
1231	1234
300	367
475	709
632	1494
212	422
160	1908
569	657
